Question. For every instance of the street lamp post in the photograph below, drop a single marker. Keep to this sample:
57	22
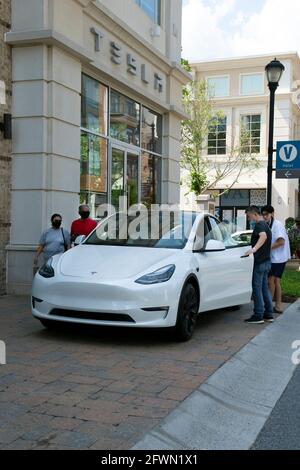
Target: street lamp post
274	71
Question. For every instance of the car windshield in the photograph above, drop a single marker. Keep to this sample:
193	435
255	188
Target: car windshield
160	229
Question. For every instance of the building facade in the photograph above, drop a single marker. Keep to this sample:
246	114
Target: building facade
96	112
5	143
240	91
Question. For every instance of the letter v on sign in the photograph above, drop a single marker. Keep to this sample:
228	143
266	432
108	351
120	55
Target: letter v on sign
288	152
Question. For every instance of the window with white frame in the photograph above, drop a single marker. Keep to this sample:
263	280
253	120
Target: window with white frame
217	137
251	133
152	8
218	87
252	84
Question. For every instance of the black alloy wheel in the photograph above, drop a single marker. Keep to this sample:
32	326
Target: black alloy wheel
187	313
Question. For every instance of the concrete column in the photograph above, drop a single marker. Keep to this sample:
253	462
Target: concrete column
46	151
171	160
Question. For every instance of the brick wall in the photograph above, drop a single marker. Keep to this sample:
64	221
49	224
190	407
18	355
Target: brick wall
5	145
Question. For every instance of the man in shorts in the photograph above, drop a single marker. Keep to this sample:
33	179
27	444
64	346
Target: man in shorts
280	254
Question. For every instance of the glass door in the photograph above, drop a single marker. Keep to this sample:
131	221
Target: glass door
132	186
117	176
125	176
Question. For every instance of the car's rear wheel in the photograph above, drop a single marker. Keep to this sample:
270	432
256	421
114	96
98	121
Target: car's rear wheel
187	313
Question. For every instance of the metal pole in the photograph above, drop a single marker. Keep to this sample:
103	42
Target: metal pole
271	143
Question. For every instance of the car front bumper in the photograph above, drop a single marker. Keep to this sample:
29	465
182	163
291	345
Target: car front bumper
127	304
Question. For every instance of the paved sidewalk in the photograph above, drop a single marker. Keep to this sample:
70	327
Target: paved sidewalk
90	388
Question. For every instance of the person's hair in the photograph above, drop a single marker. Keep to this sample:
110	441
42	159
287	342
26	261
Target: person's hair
54	216
268	209
82	206
253	210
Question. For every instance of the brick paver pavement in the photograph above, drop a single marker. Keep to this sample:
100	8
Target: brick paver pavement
91	388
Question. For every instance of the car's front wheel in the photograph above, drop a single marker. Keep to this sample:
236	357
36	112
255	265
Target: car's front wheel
187	313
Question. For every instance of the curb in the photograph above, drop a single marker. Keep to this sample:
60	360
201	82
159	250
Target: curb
230	409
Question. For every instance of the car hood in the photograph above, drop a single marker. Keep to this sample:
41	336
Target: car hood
112	262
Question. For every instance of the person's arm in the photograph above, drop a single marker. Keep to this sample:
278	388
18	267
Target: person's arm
278	235
261	241
40	247
39	250
280	242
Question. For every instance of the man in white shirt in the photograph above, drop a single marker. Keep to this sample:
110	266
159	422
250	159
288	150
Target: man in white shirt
280	254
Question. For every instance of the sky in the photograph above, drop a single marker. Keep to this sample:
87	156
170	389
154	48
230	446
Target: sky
216	29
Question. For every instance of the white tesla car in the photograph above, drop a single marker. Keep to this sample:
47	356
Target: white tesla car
188	265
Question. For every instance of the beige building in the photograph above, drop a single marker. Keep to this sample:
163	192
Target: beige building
96	112
240	91
5	141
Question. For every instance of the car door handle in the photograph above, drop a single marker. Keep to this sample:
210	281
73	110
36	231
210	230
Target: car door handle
243	257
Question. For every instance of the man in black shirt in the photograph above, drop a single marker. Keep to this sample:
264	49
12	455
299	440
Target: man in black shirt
261	243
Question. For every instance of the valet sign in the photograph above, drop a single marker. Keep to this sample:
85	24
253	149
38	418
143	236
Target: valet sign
288	160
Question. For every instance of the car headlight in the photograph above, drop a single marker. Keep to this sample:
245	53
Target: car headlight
47	270
161	275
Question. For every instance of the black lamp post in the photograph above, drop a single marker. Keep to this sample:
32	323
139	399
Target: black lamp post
274	71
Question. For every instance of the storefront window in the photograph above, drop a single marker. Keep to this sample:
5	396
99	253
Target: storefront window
151	132
124	119
151	178
93	167
133	172
236	198
94	105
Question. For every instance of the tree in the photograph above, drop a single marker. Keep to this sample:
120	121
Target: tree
205	172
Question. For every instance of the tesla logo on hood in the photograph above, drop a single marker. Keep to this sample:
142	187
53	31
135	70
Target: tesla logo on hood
94	272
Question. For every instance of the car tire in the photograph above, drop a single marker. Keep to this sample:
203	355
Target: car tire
187	313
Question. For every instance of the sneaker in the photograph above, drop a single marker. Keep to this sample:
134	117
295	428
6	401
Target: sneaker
255	320
269	319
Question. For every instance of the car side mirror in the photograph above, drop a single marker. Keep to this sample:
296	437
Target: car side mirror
79	240
214	245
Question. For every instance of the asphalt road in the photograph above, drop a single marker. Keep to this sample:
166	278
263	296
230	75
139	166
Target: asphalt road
282	430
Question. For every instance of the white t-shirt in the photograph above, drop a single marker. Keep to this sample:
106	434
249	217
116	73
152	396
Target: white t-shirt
283	253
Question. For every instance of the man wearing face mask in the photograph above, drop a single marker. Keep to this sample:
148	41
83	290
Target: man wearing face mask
83	226
54	240
261	242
